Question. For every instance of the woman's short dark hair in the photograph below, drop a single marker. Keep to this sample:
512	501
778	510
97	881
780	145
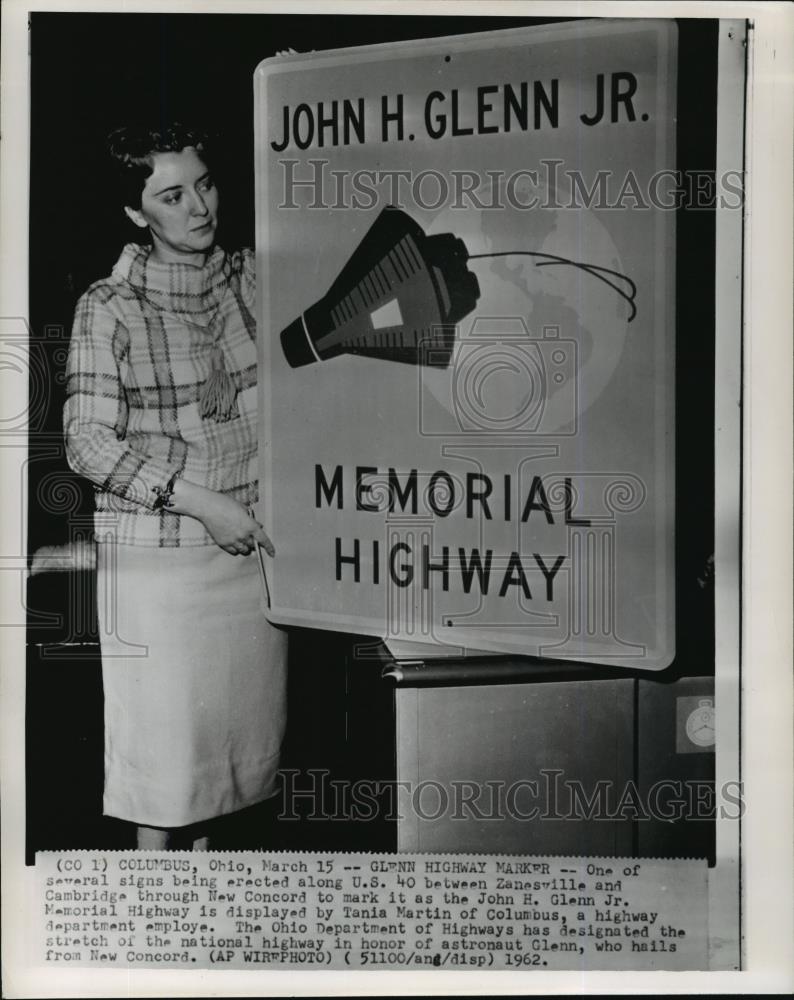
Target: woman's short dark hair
132	149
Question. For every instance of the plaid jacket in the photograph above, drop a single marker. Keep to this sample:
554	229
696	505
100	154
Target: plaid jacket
139	356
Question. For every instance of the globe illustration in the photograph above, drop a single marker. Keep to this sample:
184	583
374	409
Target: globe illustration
545	337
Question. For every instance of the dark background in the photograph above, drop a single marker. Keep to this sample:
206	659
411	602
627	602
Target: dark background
93	72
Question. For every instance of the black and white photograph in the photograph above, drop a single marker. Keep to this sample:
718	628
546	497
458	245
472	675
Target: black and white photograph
397	529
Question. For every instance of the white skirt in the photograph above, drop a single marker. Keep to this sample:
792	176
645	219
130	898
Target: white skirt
195	684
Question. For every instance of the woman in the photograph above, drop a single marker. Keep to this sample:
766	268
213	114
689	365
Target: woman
161	416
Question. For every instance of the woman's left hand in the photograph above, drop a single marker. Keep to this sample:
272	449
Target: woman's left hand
228	522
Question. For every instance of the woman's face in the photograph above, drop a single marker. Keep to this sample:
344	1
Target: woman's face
179	205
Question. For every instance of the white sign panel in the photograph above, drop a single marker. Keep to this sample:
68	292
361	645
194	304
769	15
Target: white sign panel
466	257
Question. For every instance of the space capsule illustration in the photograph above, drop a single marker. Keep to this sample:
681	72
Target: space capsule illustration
398	298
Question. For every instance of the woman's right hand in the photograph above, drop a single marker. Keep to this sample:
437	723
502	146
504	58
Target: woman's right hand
232	527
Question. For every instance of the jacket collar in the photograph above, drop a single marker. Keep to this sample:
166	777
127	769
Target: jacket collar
176	288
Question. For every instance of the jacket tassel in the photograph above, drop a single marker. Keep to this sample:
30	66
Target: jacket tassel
218	397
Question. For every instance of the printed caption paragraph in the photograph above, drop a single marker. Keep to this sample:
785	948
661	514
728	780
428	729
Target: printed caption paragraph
367	911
